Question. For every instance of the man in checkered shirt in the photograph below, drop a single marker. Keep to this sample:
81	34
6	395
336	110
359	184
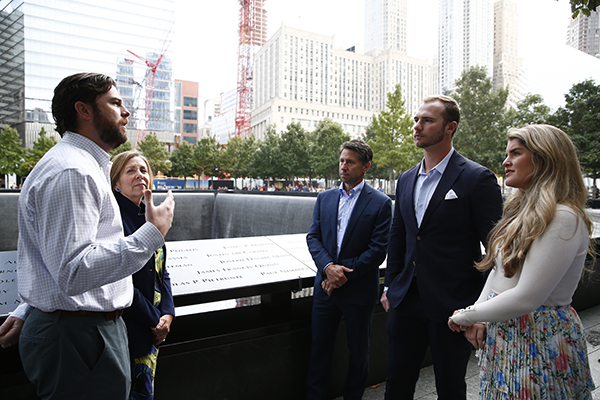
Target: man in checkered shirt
74	263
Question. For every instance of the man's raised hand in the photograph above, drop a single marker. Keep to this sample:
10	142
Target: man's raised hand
160	216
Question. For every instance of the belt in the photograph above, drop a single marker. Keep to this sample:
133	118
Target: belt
109	316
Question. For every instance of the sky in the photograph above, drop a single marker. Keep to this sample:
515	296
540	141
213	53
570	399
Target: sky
206	39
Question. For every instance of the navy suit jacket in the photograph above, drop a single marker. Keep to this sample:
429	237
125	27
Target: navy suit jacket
442	252
363	247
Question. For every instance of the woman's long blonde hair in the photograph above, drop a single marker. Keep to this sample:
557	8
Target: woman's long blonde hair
556	179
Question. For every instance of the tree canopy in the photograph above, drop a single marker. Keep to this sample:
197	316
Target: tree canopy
583	6
121	149
295	151
530	110
40	147
580	118
325	154
236	157
156	154
376	171
206	157
481	132
267	160
182	161
12	155
392	141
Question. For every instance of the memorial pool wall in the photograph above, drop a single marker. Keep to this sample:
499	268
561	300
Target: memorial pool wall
255	352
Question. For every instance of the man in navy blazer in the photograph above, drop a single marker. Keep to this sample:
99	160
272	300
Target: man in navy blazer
347	240
445	207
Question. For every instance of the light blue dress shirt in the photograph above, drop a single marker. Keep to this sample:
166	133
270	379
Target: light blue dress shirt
345	207
426	185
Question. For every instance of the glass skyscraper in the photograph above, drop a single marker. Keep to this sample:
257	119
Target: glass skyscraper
43	41
385	25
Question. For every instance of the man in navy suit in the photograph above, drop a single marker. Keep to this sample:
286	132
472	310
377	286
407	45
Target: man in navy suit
445	207
347	240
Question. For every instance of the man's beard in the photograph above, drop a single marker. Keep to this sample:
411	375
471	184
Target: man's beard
110	132
433	140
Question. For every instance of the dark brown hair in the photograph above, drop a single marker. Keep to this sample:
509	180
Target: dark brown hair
85	87
365	154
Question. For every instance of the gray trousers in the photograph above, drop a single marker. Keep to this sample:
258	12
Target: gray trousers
76	357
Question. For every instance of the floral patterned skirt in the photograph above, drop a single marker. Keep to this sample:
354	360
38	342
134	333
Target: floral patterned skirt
541	355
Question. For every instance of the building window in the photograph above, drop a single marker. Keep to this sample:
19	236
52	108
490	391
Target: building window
191	139
190	128
190	114
190	101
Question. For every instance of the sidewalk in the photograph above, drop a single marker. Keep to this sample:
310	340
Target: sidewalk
426	385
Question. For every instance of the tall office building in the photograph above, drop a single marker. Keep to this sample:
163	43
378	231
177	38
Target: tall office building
385	25
223	124
465	38
41	42
212	108
301	77
259	28
584	33
508	70
186	112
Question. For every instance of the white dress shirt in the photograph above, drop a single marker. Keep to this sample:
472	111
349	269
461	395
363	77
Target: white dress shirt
71	253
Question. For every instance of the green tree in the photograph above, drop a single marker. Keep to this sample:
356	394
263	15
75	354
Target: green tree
376	171
229	156
325	154
246	152
530	110
236	157
481	134
392	144
40	147
583	6
156	154
311	143
206	157
121	149
182	161
295	149
12	155
267	162
580	118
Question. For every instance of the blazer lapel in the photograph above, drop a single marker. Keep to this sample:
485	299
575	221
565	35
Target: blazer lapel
329	221
407	201
455	167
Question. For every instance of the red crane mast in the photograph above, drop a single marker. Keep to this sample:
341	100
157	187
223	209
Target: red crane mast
243	113
150	79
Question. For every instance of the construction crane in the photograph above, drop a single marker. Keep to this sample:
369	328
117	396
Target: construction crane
243	112
149	86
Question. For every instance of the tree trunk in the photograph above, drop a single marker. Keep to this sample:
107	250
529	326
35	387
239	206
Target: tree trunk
200	176
392	180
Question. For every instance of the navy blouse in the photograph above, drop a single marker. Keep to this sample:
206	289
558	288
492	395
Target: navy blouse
142	315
